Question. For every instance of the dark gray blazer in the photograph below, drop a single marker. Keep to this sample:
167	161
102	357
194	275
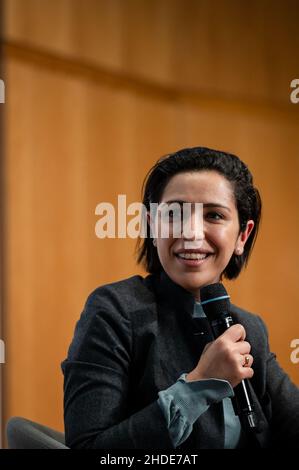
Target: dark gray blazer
136	337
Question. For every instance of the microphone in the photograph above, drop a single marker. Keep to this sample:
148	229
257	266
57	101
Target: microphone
216	305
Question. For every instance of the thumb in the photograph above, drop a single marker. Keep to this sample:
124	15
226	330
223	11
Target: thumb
235	333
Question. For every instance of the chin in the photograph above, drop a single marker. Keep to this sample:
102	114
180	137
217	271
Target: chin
198	281
192	285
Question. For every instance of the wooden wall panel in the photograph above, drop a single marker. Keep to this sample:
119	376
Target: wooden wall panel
77	145
232	48
75	138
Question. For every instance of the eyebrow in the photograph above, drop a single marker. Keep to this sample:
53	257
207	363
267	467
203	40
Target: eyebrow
208	204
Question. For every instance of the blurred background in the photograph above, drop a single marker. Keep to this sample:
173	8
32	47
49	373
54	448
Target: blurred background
96	92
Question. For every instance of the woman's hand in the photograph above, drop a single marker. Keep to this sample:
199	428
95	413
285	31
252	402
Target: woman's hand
224	358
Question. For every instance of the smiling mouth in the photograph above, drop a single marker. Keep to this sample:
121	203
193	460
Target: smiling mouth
193	256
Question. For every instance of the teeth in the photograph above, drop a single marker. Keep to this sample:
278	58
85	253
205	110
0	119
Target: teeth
192	255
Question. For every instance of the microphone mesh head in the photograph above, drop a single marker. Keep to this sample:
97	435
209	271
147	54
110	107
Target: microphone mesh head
214	300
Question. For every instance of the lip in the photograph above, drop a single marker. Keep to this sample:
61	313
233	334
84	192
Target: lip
194	250
192	262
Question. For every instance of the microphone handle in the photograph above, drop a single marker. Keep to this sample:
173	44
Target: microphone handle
242	399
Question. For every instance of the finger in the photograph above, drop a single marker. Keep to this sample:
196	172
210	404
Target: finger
247	360
207	346
243	347
235	333
247	372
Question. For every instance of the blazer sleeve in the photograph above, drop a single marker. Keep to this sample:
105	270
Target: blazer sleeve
283	396
97	384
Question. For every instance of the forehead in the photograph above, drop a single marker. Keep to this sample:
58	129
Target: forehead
199	186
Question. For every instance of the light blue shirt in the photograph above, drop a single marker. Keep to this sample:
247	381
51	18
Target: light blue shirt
184	402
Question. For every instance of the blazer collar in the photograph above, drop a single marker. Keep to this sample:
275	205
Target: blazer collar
182	300
173	293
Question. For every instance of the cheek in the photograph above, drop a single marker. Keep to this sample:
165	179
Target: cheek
164	248
224	238
217	235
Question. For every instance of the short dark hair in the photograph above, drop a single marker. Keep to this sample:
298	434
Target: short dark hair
247	197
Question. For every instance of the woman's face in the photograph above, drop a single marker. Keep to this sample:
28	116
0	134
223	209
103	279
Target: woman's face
216	241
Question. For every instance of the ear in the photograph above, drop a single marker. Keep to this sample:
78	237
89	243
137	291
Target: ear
242	238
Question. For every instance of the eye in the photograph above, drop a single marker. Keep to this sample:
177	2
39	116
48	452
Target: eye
171	215
175	214
214	215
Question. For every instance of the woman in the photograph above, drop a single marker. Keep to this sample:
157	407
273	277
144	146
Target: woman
138	373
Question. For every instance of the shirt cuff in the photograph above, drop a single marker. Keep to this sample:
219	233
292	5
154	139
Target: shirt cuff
183	402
